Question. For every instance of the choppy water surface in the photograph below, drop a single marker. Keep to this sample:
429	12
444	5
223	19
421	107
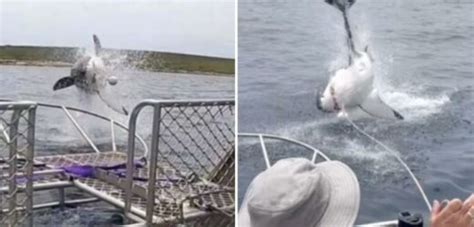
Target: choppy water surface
424	62
55	134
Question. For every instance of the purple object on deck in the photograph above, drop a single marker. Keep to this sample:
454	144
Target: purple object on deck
81	171
89	171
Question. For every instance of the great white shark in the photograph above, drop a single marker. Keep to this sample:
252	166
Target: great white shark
352	88
90	75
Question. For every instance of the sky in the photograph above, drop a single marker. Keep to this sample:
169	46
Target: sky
203	27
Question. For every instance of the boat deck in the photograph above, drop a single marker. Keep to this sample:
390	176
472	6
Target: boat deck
109	186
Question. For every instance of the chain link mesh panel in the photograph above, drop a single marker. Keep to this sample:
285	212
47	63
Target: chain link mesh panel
196	138
17	122
193	147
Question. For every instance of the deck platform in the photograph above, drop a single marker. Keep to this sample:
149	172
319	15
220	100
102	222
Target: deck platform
109	187
187	177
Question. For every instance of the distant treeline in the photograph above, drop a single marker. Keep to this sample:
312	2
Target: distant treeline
143	60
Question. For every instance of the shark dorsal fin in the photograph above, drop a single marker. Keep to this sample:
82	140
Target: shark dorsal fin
97	45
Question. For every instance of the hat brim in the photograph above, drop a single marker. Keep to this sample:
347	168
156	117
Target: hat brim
344	201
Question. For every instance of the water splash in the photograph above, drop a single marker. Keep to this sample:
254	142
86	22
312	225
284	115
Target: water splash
340	141
334	136
415	106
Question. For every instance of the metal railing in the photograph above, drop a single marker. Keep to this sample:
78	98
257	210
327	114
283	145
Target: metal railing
17	135
67	110
191	140
315	152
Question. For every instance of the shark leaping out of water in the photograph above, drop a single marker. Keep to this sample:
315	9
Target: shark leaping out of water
89	74
352	87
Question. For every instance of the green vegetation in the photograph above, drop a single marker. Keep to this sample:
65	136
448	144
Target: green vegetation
144	60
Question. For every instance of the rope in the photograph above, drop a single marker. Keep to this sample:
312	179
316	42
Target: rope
394	153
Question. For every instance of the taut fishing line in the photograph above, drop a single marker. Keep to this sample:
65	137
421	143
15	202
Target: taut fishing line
394	153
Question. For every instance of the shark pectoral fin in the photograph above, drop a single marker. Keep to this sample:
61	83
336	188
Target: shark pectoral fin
375	107
63	83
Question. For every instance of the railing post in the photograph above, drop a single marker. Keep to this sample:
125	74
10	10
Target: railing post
13	163
264	151
130	158
30	160
152	169
78	127
112	134
61	197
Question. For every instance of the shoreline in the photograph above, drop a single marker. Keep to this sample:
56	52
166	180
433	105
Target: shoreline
60	64
149	61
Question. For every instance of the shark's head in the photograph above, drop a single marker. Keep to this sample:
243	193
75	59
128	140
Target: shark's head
326	100
96	73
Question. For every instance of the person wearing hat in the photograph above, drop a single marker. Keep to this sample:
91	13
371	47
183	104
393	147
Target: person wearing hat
298	193
295	192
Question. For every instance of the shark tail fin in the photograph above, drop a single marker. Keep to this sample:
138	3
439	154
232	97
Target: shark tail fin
342	5
375	107
64	83
97	45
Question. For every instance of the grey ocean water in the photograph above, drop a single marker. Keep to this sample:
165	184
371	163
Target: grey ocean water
56	135
424	59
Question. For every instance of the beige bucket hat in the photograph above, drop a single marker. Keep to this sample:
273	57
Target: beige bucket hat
296	192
